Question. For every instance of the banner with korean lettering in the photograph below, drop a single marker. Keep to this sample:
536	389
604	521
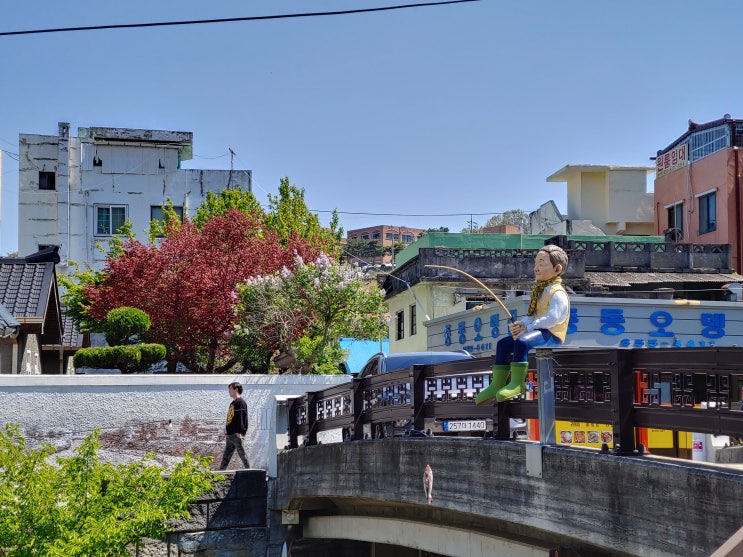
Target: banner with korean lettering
671	160
601	322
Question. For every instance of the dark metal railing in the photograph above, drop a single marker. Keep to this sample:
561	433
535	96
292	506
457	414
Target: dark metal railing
678	389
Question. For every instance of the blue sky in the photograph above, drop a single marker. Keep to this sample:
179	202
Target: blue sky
441	111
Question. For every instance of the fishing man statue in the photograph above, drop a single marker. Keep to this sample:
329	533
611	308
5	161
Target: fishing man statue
546	322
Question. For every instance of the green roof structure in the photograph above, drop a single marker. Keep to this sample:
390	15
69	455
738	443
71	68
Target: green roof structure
502	241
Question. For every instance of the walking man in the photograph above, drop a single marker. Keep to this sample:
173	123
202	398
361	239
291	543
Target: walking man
236	427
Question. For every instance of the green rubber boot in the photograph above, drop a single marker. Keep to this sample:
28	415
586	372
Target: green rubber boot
499	378
516	386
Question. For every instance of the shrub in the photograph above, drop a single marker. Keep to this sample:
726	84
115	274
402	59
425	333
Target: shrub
128	359
124	325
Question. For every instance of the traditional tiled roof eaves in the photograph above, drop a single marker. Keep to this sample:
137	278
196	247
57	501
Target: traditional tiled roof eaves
25	287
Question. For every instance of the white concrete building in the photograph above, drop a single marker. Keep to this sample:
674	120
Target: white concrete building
609	197
74	192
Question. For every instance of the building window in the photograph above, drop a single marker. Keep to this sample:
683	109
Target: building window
738	135
400	322
707	142
376	235
156	213
707	213
413	321
47	181
407	238
676	216
109	218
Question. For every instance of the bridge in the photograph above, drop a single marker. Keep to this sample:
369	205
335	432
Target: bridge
496	496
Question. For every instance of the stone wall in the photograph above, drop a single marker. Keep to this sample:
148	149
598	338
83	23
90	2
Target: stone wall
230	522
165	414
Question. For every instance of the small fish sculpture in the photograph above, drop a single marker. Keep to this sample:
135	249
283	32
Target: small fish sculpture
428	483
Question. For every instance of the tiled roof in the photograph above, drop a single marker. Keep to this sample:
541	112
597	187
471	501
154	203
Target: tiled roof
633	279
24	287
8	325
71	337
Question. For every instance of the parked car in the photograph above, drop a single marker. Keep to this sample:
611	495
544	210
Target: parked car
384	363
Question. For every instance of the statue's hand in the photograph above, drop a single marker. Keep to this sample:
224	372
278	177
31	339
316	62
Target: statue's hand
516	328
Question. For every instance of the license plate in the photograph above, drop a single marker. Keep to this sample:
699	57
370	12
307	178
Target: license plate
464	425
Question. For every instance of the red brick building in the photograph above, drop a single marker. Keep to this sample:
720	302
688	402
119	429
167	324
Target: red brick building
388	236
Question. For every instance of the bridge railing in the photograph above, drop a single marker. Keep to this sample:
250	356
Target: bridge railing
678	389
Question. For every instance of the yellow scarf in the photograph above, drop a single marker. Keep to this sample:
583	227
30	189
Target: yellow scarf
536	292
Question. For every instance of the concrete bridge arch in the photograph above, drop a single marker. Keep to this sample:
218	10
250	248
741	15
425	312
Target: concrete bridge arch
516	498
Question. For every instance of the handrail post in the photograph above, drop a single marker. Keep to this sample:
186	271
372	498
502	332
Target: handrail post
312	418
546	396
623	402
418	395
291	412
357	392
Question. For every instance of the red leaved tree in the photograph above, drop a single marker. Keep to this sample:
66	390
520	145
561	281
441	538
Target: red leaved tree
187	285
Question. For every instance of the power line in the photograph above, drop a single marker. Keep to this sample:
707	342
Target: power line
231	19
407	214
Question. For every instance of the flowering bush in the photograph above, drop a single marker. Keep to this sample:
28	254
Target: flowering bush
302	313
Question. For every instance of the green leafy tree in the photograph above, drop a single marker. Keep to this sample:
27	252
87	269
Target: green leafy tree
395	248
217	204
300	315
81	506
361	248
125	325
289	217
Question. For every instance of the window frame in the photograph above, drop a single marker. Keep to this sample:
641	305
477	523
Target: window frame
111	228
413	320
705	201
675	210
400	325
47	180
177	208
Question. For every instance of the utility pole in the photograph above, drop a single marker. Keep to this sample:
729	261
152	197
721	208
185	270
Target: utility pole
232	165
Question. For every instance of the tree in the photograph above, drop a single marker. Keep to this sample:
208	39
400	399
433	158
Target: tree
302	314
359	248
394	249
187	284
514	217
216	205
124	328
81	506
185	278
76	285
290	218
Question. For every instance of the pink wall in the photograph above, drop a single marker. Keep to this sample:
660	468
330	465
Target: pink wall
716	172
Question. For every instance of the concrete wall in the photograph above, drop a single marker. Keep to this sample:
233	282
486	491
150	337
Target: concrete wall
167	414
137	174
595	503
